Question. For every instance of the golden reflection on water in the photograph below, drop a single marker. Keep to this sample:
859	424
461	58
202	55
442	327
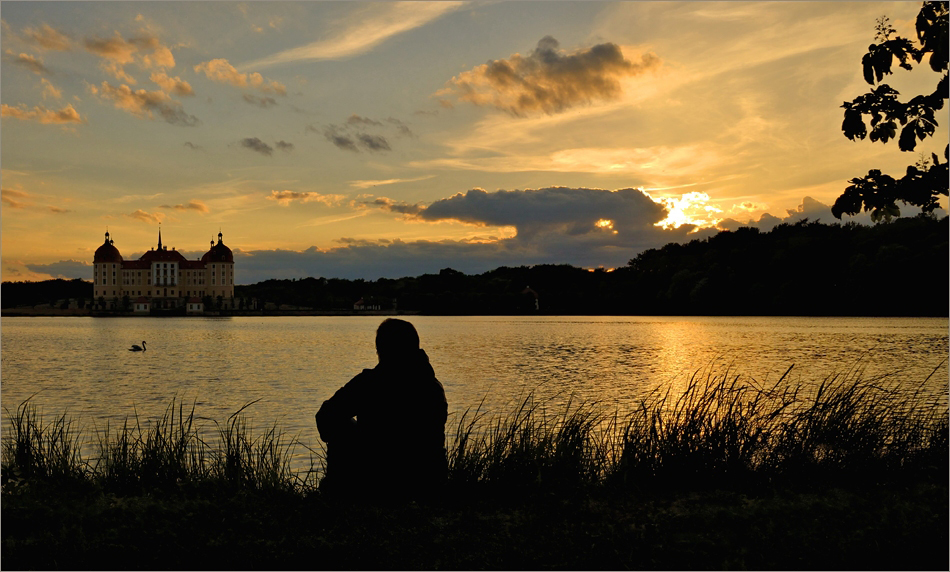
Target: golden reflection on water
291	364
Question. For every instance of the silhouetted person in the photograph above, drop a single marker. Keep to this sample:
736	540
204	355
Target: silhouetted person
395	446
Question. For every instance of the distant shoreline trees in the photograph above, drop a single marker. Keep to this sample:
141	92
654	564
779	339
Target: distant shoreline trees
898	268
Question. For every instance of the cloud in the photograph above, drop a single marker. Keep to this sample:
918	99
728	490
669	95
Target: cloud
354	134
582	227
144	50
390	205
192	205
367	27
221	71
47	38
145	104
13	198
367	183
285	146
401	127
150	218
553	210
255	144
40	114
173	85
284	198
17	199
373	142
50	90
262	101
67	269
191	145
341	140
357	120
31	63
548	79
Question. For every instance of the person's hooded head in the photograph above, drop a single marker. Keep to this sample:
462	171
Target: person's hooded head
396	341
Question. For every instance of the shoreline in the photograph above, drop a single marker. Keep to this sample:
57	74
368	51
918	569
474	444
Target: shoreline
35	313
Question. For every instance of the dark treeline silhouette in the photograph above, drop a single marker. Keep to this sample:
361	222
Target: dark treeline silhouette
808	268
47	292
898	268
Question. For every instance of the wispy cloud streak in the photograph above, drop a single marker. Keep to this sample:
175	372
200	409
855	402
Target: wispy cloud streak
363	31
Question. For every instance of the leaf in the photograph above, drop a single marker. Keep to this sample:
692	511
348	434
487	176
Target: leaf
853	125
908	138
868	62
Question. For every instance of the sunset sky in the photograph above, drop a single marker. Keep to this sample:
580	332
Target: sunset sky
367	140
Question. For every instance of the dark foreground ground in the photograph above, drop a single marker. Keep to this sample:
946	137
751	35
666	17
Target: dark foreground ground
867	527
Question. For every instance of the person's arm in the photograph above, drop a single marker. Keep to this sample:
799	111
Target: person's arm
339	410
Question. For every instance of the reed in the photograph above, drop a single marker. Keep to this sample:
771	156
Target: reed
166	453
718	430
34	450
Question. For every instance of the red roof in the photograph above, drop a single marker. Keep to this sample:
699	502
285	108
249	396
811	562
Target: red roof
218	253
107	252
163	256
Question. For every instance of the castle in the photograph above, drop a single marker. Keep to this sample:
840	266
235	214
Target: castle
163	279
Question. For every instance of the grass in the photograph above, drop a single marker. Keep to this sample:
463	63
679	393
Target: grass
720	472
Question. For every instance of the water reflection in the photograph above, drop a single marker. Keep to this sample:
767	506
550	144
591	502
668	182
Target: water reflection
292	364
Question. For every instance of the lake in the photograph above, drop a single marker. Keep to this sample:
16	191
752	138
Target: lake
291	365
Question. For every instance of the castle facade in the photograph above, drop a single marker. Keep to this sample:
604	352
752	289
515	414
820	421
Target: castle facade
163	278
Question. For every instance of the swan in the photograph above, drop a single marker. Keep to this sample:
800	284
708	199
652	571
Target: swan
136	348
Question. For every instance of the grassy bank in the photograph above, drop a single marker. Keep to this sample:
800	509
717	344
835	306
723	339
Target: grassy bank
723	474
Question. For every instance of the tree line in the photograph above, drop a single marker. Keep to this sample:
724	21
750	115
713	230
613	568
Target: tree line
807	268
899	268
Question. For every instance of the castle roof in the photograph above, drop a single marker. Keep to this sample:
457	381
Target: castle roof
218	252
107	252
163	255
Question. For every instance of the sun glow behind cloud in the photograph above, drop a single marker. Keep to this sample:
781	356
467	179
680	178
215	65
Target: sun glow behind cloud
690	208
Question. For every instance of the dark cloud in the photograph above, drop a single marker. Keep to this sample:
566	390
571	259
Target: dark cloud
341	140
582	227
59	210
67	269
548	79
255	144
553	210
285	146
191	145
363	133
262	101
373	142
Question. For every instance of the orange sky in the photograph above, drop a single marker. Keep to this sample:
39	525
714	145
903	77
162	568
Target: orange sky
366	140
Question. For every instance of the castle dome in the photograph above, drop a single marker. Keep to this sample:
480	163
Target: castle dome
107	252
218	252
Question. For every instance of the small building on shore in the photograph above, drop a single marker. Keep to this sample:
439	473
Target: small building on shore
162	279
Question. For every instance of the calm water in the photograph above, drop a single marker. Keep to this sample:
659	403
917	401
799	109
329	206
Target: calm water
291	364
